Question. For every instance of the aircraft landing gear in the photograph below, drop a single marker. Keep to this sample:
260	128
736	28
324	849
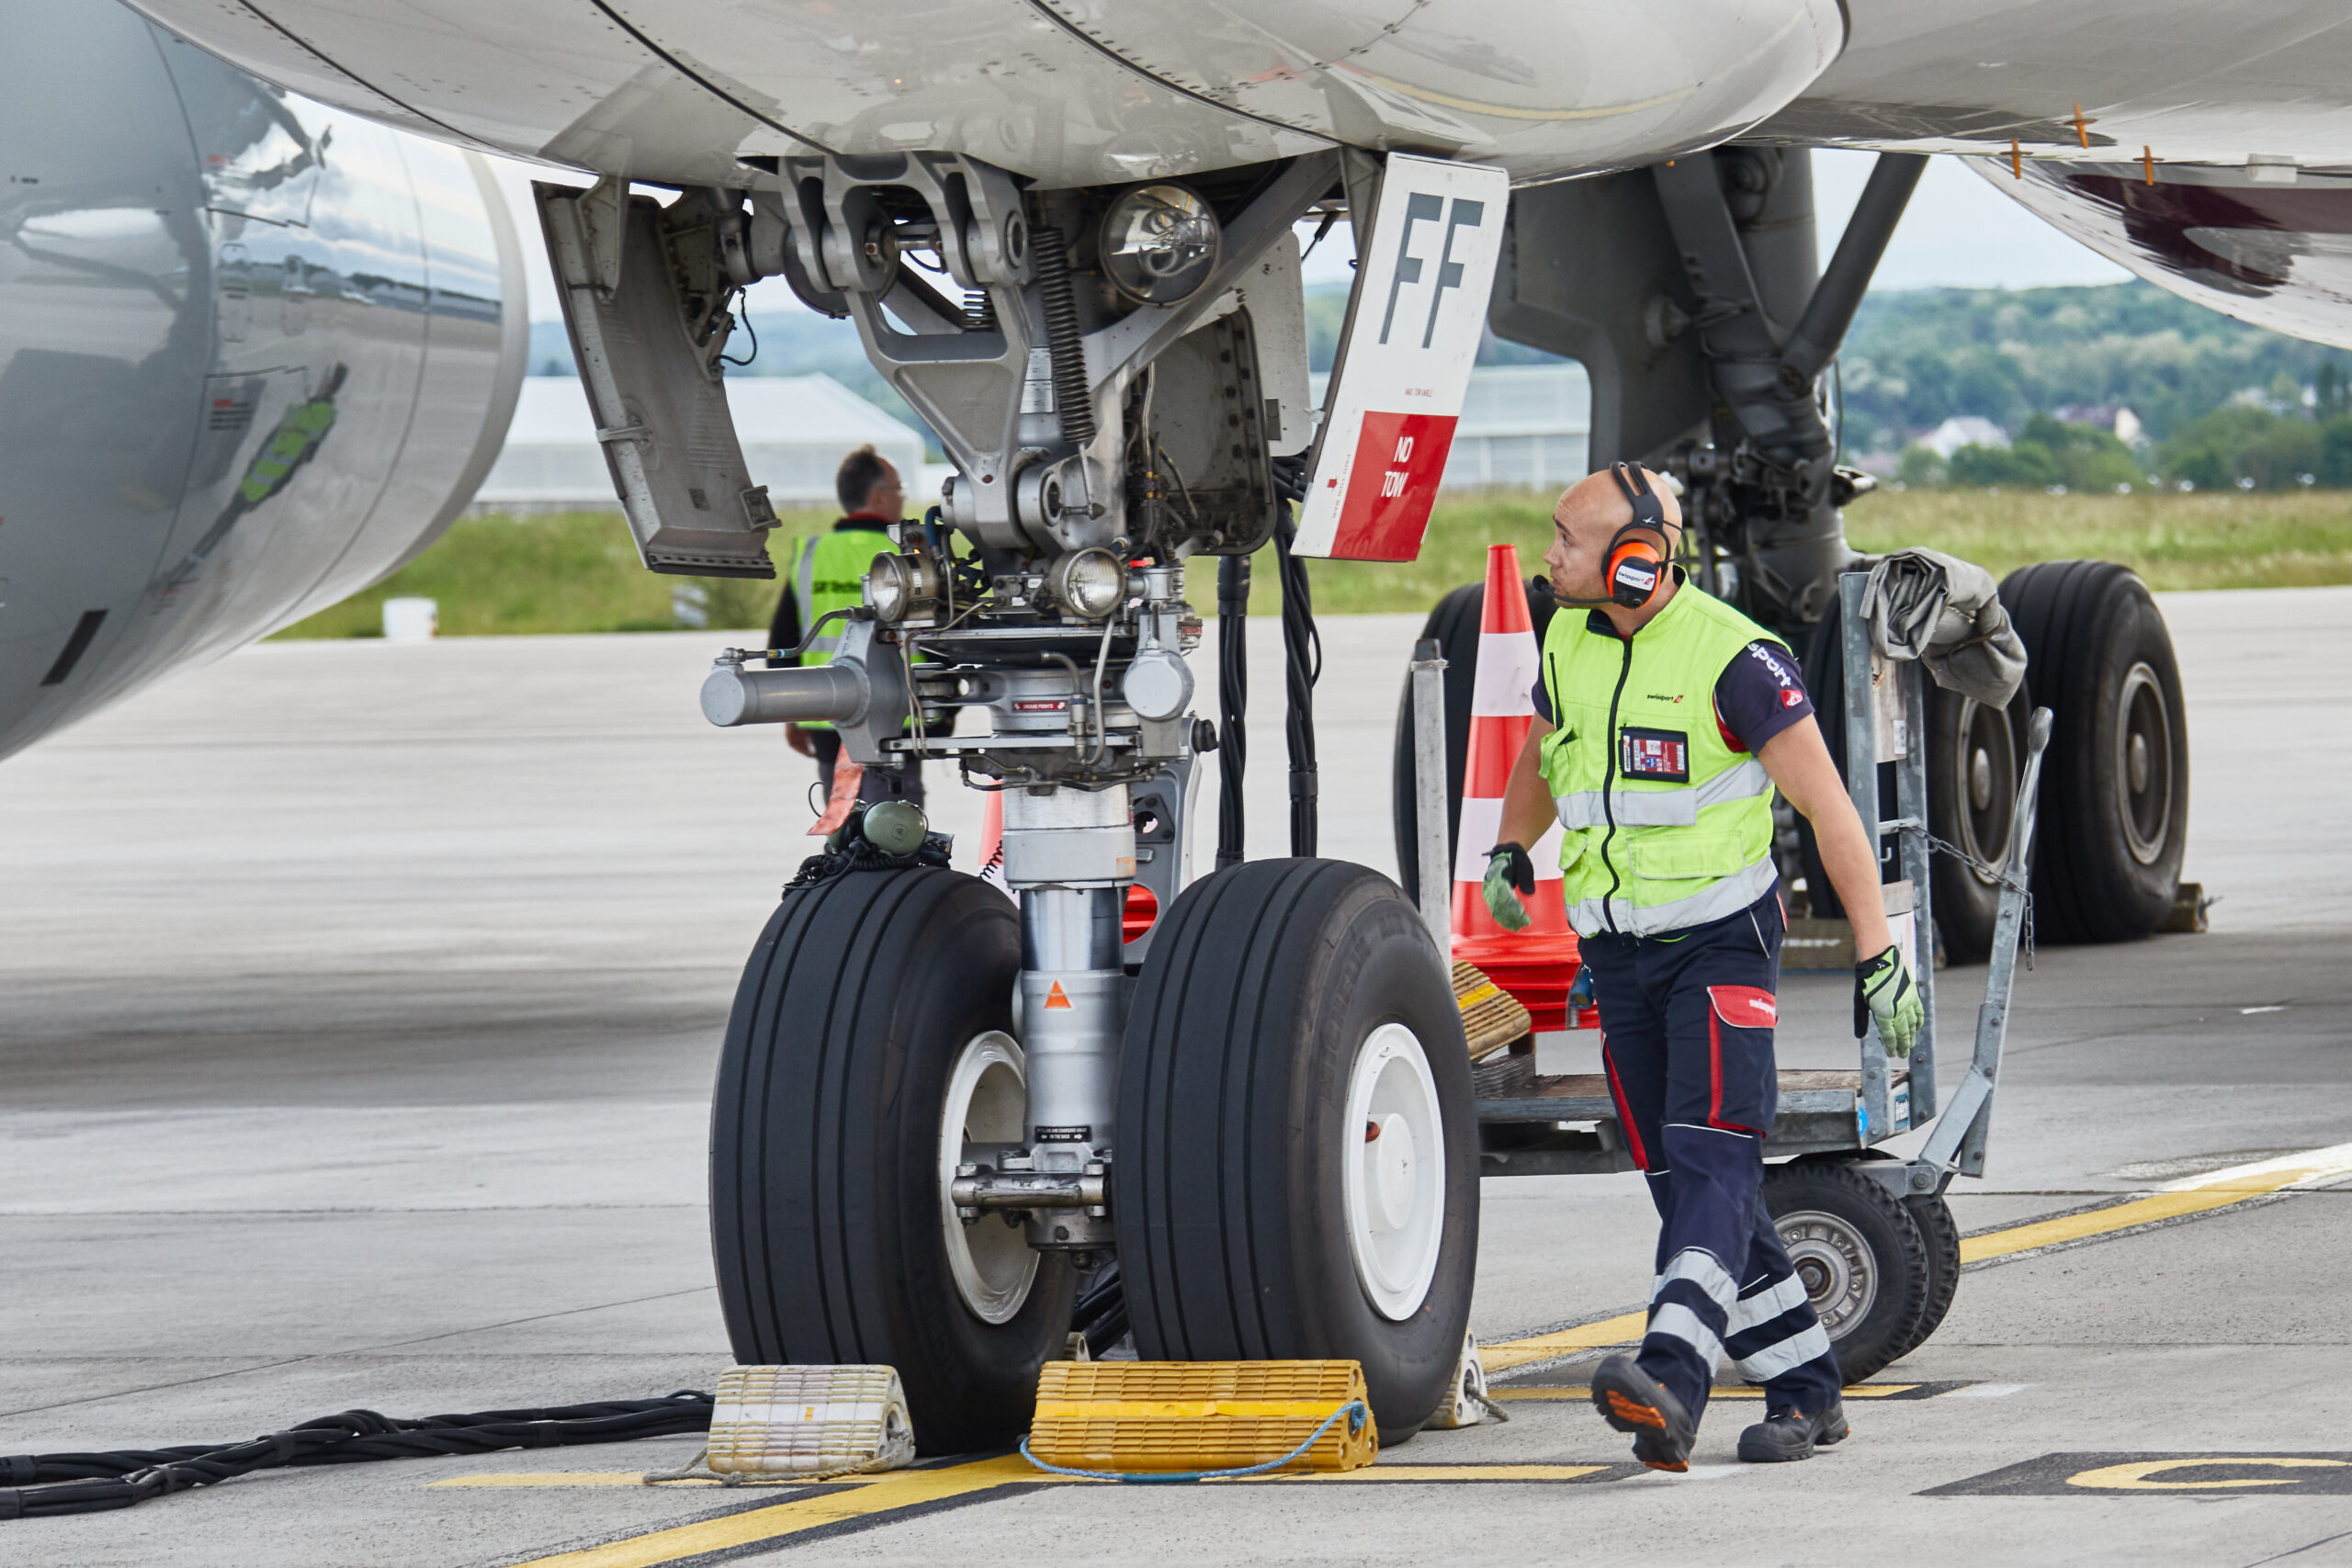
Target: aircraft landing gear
1298	1169
870	1045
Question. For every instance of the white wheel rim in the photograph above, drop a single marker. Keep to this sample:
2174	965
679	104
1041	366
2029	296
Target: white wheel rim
1835	1266
987	1103
1395	1180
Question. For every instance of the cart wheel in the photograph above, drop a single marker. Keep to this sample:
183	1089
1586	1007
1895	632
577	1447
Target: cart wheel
1860	1254
1298	1171
2115	789
871	1038
1454	626
1940	1235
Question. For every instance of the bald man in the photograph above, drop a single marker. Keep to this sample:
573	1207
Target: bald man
1665	721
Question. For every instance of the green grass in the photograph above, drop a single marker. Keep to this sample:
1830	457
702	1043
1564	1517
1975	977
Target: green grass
579	572
568	572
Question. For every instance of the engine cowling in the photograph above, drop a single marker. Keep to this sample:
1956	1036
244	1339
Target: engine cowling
255	354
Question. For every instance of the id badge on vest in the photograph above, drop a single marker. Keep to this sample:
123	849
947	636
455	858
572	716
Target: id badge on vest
1662	756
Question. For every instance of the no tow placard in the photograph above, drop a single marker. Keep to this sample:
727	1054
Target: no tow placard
1414	323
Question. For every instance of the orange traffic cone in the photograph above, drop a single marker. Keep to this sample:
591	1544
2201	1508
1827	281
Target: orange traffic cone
1536	966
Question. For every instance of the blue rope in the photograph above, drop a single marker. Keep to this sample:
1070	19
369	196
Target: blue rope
1353	1410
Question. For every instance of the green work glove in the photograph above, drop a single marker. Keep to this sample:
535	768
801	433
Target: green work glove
1882	990
1509	867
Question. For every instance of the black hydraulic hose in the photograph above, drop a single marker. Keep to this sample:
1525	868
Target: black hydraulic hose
1063	346
41	1485
1302	665
1232	703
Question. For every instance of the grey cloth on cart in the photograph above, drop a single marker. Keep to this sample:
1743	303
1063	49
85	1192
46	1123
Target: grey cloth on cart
1946	613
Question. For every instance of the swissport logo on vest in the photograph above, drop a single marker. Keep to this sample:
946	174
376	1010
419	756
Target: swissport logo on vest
1419	308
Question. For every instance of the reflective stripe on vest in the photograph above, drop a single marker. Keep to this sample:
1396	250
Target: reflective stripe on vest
1665	827
1667	808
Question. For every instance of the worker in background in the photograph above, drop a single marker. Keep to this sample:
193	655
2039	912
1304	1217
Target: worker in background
1665	719
826	574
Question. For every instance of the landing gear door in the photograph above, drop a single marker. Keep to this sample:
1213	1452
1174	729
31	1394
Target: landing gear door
634	308
1414	321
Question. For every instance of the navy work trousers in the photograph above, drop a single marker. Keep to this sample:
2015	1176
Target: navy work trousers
1686	1025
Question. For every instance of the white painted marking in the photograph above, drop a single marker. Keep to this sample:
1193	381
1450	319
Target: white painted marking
2312	1166
1988	1391
2249	1012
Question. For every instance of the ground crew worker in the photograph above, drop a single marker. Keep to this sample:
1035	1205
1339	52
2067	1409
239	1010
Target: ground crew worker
1665	719
826	574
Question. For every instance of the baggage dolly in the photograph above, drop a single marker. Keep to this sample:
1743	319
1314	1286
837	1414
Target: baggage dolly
1871	1234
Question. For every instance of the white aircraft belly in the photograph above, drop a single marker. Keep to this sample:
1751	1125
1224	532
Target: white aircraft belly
2191	81
1061	91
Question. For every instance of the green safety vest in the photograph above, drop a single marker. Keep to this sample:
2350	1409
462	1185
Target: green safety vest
1665	827
828	574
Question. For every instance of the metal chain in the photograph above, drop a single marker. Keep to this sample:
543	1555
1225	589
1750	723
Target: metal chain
2011	878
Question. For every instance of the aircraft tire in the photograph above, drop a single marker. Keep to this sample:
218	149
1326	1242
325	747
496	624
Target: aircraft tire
865	1001
1285	1005
1859	1252
2115	789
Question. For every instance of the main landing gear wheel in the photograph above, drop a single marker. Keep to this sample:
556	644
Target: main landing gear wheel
1453	626
870	1040
2115	797
1860	1256
1974	756
1298	1171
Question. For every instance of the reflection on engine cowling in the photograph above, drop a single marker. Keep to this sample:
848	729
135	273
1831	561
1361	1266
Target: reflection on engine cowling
255	352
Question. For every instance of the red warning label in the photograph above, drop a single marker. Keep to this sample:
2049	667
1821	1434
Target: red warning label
1393	483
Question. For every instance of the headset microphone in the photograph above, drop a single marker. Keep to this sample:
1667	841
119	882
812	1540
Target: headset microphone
1636	566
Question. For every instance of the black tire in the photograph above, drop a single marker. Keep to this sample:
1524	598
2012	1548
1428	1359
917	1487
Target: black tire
2115	782
1968	746
1974	754
1860	1254
826	1222
1940	1233
1453	624
1231	1186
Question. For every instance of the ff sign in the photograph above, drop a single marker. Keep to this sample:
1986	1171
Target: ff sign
1414	321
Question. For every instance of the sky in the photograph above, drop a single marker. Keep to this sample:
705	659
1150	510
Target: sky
1959	231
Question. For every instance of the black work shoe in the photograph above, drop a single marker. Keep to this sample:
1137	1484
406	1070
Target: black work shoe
1632	1400
1792	1435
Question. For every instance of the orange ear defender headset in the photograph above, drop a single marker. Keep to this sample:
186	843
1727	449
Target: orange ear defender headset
1635	565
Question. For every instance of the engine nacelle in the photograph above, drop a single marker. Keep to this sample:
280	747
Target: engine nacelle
255	354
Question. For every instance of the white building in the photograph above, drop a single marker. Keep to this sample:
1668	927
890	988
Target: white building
795	430
1963	430
1523	427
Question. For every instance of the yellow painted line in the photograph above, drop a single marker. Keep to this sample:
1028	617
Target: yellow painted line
2196	1195
1404	1472
1509	1353
899	1489
627	1478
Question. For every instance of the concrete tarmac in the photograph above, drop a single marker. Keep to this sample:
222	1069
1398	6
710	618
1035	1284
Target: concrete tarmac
358	1007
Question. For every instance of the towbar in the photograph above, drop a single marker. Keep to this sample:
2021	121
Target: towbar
834	694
